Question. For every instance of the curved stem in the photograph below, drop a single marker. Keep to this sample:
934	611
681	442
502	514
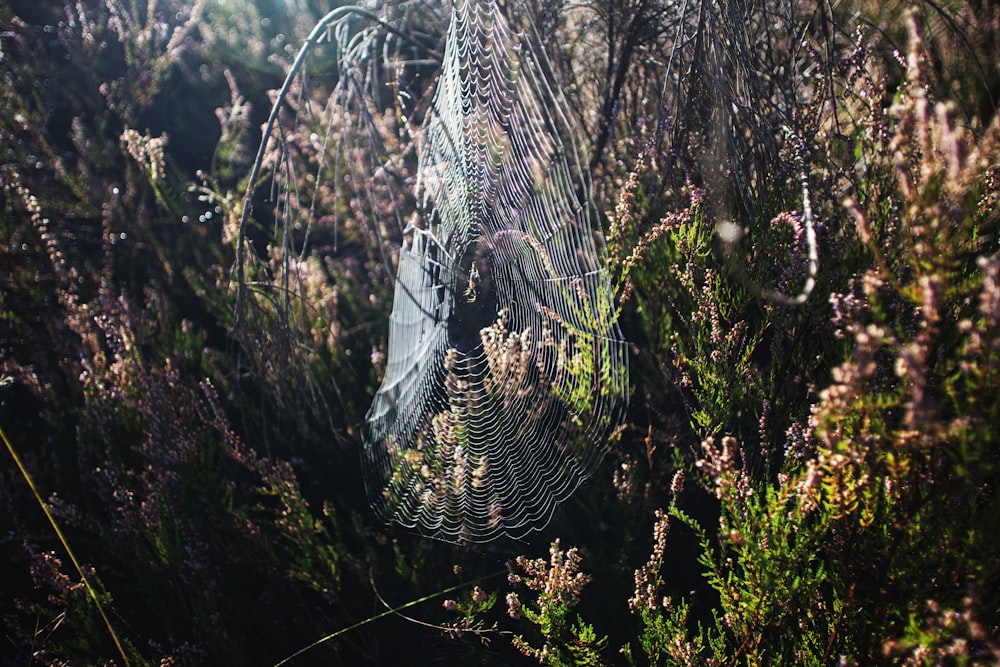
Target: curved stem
318	31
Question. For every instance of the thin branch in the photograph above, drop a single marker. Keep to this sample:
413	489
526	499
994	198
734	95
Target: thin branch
387	612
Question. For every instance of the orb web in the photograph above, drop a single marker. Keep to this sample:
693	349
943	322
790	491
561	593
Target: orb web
506	370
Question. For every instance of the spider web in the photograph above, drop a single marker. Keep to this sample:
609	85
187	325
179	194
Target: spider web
507	372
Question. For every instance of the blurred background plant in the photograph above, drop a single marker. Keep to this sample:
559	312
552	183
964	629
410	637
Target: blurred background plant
819	480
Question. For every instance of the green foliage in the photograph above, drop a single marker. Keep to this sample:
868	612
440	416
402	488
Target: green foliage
879	498
838	502
567	639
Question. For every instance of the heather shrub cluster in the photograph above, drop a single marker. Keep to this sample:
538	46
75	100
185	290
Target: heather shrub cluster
800	210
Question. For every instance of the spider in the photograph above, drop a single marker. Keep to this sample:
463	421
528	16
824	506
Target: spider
470	293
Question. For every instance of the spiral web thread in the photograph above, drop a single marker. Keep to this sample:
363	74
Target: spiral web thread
506	373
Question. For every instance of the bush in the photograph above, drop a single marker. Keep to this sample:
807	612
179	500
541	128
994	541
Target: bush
802	220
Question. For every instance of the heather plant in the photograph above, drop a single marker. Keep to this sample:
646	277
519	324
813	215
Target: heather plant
873	505
107	358
558	583
809	483
470	610
835	527
142	503
137	419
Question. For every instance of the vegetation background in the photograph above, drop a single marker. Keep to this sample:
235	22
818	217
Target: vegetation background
797	483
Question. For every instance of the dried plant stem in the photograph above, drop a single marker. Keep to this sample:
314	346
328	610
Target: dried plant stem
729	234
388	612
478	631
319	31
62	540
812	259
